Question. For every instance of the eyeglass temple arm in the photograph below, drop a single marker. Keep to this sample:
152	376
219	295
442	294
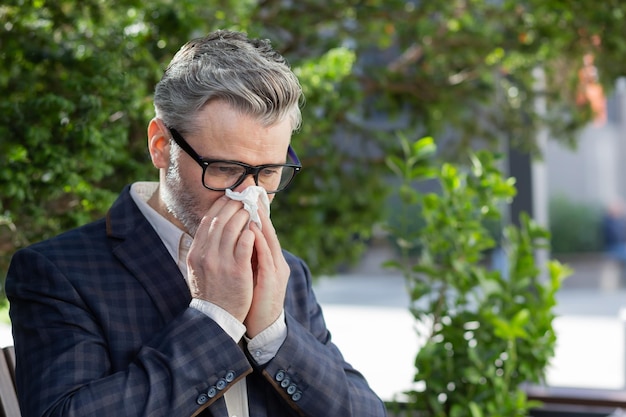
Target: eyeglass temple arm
180	141
293	155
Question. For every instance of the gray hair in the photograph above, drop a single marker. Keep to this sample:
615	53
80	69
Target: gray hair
225	65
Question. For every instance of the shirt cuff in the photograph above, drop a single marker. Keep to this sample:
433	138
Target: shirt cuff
264	346
223	318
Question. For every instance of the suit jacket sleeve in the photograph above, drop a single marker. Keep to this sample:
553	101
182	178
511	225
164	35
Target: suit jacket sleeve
67	363
309	372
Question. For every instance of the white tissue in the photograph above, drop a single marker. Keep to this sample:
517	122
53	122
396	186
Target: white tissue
250	198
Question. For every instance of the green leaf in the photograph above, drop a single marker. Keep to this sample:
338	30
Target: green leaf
424	148
475	409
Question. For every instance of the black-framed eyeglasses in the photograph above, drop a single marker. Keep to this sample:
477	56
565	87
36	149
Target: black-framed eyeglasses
220	175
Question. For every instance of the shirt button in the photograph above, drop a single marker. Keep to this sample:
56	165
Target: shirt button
257	353
280	375
221	384
212	392
292	389
296	396
202	399
230	376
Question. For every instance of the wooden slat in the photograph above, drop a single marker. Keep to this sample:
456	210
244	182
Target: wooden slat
578	396
9	353
8	396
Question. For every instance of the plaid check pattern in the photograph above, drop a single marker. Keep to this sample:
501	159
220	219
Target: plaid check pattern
102	326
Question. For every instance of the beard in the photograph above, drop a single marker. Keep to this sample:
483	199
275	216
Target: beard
180	203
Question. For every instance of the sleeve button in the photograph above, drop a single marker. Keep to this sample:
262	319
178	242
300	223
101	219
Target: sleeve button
280	375
212	392
285	382
202	399
230	376
292	389
221	384
296	396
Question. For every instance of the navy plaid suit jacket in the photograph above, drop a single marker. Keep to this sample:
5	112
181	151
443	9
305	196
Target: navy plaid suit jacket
102	326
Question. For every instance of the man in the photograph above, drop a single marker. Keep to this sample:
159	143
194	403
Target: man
614	231
176	304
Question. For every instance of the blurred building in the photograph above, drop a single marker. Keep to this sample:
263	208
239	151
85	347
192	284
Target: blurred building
595	172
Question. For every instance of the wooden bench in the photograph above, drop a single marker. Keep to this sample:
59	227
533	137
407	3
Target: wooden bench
9	406
566	401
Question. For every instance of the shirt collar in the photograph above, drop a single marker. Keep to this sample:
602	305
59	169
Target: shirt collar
176	241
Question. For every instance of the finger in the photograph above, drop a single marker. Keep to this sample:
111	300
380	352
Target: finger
245	248
220	228
215	208
229	230
263	250
269	232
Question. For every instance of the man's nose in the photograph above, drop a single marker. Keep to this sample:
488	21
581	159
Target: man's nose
247	182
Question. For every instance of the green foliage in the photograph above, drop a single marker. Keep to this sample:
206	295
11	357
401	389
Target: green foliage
76	100
328	225
575	227
487	331
471	65
77	79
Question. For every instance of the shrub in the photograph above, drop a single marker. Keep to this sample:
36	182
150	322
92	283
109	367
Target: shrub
485	332
575	227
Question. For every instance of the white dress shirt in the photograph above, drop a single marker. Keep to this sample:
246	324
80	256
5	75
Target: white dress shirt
262	348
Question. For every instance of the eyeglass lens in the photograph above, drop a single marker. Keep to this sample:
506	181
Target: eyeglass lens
222	175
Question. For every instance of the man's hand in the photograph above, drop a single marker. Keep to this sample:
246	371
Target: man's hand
238	268
271	273
219	260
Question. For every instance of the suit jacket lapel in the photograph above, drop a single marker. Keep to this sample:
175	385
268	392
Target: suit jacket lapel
139	248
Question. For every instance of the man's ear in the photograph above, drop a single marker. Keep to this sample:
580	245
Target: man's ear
159	143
